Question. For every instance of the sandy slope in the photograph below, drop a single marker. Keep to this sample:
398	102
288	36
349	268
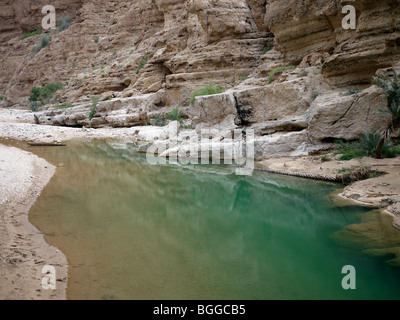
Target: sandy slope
23	251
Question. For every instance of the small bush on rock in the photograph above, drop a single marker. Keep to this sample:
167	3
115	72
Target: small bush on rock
205	91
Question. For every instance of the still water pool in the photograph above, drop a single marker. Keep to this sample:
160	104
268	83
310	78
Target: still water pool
131	230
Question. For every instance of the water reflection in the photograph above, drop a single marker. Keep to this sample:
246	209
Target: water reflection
135	231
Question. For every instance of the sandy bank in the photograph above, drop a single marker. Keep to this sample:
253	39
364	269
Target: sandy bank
23	251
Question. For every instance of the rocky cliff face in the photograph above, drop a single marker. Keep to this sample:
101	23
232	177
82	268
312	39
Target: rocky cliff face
194	42
350	56
145	57
18	17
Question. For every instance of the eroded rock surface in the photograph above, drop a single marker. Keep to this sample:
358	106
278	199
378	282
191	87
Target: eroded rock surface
144	58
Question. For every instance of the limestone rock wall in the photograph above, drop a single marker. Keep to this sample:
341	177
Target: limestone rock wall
130	51
189	43
18	17
353	56
185	44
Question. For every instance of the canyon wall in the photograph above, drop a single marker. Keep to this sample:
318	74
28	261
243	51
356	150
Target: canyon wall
144	57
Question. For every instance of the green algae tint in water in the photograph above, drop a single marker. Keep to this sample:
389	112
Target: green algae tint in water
135	231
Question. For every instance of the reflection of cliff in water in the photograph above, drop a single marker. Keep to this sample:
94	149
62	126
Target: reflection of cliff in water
285	192
207	197
375	236
134	230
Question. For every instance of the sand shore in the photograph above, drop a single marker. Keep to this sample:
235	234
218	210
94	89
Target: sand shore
23	251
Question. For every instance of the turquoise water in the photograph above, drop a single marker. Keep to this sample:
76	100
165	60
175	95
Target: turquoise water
135	231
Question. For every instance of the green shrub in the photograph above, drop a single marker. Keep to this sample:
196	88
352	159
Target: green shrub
391	88
95	102
48	91
64	106
158	121
92	112
242	79
35	94
43	95
369	142
142	63
205	91
351	91
366	146
175	115
325	158
266	49
314	94
392	152
63	23
348	150
35	106
31	34
45	39
1	98
303	73
96	39
318	69
271	75
188	126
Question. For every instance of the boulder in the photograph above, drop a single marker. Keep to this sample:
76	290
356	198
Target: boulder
292	144
214	110
336	116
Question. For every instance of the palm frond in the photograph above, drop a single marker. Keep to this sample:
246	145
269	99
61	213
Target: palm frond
396	78
391	89
381	111
380	82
